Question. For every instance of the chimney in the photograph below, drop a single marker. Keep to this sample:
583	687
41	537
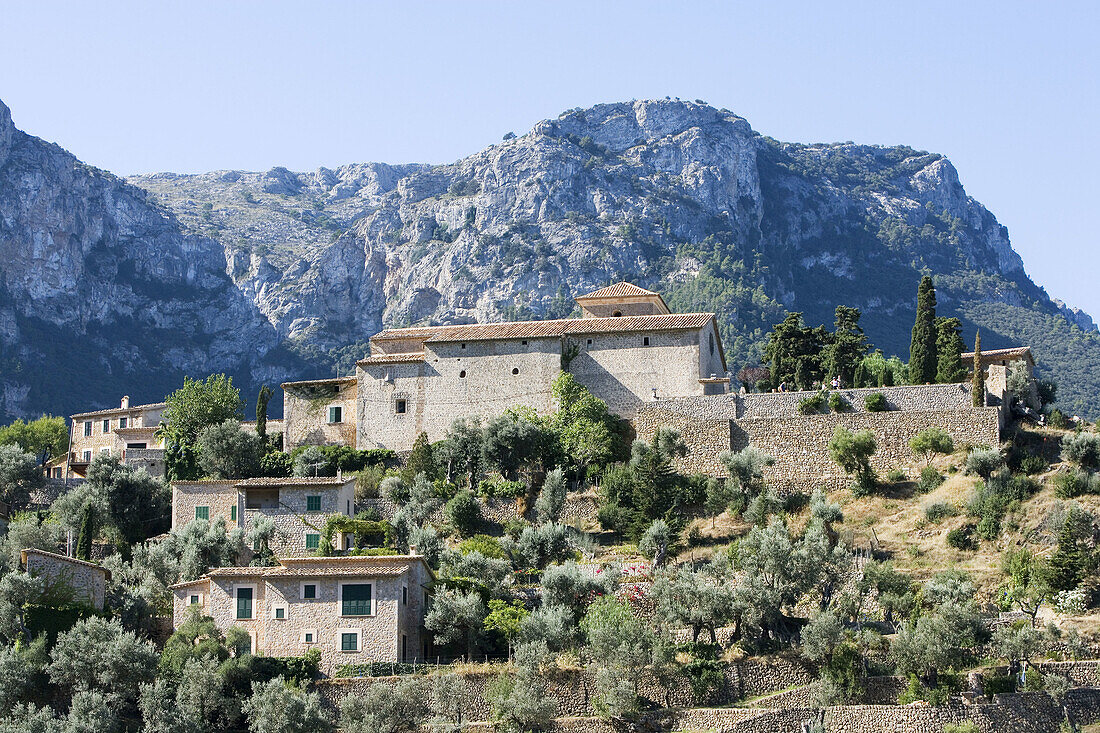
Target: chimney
125	401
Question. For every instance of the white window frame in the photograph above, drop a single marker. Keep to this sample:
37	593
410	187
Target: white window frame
87	428
275	608
329	416
236	588
340	597
87	456
302	590
107	426
196	595
302	636
358	639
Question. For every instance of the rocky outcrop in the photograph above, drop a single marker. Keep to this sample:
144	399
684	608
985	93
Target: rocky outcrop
677	196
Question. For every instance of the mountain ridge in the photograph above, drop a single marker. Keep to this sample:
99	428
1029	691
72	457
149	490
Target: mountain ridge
677	196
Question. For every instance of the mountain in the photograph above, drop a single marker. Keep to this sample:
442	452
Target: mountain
278	274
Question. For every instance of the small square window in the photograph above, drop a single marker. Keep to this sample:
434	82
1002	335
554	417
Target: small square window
278	612
309	591
123	422
309	637
589	342
313	503
313	540
202	512
464	346
335	414
400	407
524	343
349	641
194	599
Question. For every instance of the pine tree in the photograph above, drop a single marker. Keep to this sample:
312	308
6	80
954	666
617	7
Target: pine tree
87	534
922	348
977	384
846	347
949	348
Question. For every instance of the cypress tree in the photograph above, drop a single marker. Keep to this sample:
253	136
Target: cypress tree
949	348
977	384
87	532
922	348
261	412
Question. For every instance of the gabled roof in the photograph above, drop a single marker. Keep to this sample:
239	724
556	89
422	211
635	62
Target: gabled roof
54	556
294	482
617	290
1016	352
317	567
116	410
544	329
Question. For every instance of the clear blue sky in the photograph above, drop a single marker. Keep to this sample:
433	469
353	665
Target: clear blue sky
1008	90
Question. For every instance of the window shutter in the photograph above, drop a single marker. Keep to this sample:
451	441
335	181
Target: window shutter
356	600
244	603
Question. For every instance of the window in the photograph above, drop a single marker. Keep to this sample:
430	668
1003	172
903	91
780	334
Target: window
104	451
309	636
524	343
349	641
335	413
645	341
589	342
194	600
400	406
404	648
464	346
616	314
88	455
123	422
404	595
106	426
712	344
233	513
313	503
313	540
462	374
515	370
279	611
87	428
202	512
355	599
244	602
348	510
309	591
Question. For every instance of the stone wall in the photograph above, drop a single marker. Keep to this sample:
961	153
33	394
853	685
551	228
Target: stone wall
293	521
306	412
799	443
86	580
219	497
1081	674
151	459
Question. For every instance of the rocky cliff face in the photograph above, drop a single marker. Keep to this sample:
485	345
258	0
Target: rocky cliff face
676	196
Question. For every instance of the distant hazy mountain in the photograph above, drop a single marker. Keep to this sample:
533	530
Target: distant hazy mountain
112	286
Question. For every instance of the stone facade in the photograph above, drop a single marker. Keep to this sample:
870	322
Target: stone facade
113	431
309	417
799	443
283	620
287	503
217	498
87	581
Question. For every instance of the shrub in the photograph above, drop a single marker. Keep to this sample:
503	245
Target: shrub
502	488
852	452
968	726
483	543
1075	483
1057	419
939	511
1082	449
463	512
812	405
984	461
1032	464
962	538
1073	602
839	403
929	442
930	480
895	475
276	465
875	402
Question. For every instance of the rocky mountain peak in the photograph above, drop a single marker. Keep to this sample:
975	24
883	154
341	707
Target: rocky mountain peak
7	132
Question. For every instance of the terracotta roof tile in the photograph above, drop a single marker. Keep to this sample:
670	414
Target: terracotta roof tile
113	410
997	353
294	482
546	329
617	290
410	358
54	556
306	382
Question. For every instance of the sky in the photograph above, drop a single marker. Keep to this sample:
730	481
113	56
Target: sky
1007	90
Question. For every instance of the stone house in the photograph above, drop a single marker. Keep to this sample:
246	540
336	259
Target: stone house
87	580
996	365
126	431
353	609
205	499
627	348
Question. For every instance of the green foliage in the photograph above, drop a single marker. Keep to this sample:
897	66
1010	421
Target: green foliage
846	346
99	655
199	404
977	373
852	452
516	442
930	480
421	459
46	438
922	348
940	511
699	600
484	544
276	705
587	433
949	349
1073	483
20	474
276	464
895	475
538	546
875	402
551	500
384	709
648	487
1075	557
962	538
228	451
984	462
1083	450
463	512
838	403
930	442
329	458
813	404
505	618
794	351
456	618
655	542
502	488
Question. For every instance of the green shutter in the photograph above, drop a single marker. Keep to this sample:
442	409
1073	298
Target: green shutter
313	541
349	642
313	503
244	603
356	600
335	414
233	513
202	512
309	591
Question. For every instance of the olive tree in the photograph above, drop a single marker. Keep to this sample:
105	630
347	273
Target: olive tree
276	705
852	452
383	709
97	654
930	442
226	451
551	500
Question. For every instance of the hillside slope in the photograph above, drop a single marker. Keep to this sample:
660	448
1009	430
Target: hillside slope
676	196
